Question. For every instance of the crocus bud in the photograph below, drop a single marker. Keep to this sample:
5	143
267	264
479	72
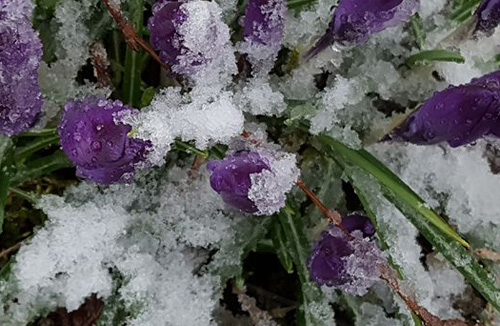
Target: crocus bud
263	28
355	20
20	55
347	261
458	115
188	34
97	143
254	182
488	16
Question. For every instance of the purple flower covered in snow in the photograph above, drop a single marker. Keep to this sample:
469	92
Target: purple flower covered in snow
231	178
20	55
188	34
166	19
349	262
355	20
97	144
255	179
263	27
458	115
488	16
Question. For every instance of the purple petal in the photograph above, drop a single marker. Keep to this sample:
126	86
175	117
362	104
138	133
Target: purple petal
167	17
264	22
353	222
20	54
458	115
99	147
231	178
488	16
355	20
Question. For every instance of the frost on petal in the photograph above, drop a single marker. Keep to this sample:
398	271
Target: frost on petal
488	16
230	178
349	262
97	144
355	20
458	115
263	27
270	187
20	54
192	37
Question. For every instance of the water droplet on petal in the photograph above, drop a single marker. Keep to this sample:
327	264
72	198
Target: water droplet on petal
96	145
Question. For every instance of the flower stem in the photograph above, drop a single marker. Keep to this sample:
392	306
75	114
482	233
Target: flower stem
333	216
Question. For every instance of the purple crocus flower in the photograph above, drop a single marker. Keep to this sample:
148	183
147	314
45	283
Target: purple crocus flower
231	178
355	20
263	27
97	144
347	261
188	34
164	24
488	16
458	115
20	54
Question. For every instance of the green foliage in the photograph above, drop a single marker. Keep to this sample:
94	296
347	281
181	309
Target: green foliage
5	171
131	91
314	309
417	30
428	223
463	9
434	55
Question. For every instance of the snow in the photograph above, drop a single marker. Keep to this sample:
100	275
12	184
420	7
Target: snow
206	119
156	234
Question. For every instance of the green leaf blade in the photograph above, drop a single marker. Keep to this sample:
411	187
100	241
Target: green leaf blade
433	56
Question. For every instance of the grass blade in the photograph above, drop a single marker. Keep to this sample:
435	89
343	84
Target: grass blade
5	167
133	67
314	309
41	167
434	55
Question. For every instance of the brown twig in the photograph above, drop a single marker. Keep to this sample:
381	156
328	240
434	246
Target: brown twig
195	167
488	254
333	216
389	276
101	64
134	41
249	304
5	253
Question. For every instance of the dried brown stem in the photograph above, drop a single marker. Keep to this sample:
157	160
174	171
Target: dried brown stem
195	167
134	41
488	254
333	216
5	253
249	304
101	64
390	277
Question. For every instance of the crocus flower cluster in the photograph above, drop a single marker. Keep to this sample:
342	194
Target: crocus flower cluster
97	144
458	115
189	35
347	259
355	20
20	55
254	179
263	28
488	16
